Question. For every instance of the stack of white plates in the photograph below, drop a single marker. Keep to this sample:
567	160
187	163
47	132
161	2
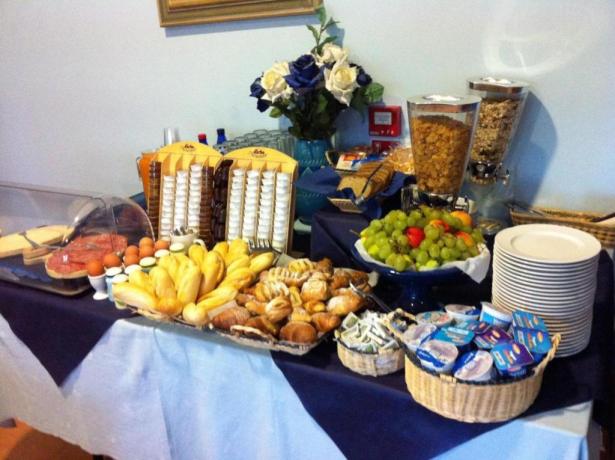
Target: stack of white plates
548	270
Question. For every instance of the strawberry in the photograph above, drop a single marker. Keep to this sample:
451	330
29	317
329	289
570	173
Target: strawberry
415	235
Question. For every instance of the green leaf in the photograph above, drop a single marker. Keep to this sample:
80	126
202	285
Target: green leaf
314	32
330	23
330	39
275	112
321	104
374	92
322	15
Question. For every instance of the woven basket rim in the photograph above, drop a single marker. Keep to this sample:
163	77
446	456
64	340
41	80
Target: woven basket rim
380	352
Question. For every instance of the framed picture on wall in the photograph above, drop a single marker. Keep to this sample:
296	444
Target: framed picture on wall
184	12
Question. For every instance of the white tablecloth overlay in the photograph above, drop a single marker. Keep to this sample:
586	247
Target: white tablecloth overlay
157	392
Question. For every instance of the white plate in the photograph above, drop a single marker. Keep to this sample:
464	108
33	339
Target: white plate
548	244
554	269
541	284
562	293
512	302
551	303
574	315
504	252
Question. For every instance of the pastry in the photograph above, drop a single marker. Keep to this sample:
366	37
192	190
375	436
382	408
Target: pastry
315	289
300	314
325	322
298	332
255	307
231	317
268	290
325	265
314	306
244	297
343	304
134	295
301	266
278	309
262	324
286	276
294	294
340	279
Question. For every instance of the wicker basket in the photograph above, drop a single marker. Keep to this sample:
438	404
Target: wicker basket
474	402
580	220
374	364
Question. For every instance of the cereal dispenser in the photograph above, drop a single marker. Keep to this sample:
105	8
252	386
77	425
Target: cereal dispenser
441	131
500	110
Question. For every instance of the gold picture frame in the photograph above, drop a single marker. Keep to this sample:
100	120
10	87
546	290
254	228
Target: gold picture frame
186	12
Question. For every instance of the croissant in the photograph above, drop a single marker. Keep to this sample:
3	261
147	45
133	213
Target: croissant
325	265
325	322
295	296
298	332
231	317
262	324
300	314
268	290
343	304
278	309
340	279
286	276
315	289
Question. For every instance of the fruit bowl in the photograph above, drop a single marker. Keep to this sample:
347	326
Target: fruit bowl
416	295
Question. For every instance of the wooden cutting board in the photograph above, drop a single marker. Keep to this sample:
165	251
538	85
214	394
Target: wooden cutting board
14	244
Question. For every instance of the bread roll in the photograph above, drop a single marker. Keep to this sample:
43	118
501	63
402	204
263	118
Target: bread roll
325	322
295	297
278	309
325	265
231	317
163	284
314	306
298	332
263	324
135	296
169	306
195	315
315	289
255	307
341	305
300	314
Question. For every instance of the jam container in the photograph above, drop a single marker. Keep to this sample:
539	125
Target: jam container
511	359
437	318
441	132
461	313
492	337
527	320
437	355
502	103
416	334
537	342
461	338
478	327
490	314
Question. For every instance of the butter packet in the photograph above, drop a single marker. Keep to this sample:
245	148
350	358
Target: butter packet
537	342
527	320
511	359
492	337
461	338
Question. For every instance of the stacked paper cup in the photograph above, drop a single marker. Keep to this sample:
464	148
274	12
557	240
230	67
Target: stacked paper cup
194	197
248	230
181	199
265	208
282	210
168	197
236	203
548	270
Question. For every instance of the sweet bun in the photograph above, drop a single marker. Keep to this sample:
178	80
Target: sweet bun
301	265
314	306
231	317
300	314
325	322
295	297
298	332
315	289
343	304
278	309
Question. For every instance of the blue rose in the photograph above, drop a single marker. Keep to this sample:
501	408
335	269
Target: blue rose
256	90
304	73
262	105
363	79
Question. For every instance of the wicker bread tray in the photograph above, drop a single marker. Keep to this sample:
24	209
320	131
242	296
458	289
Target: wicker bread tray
374	364
577	219
480	402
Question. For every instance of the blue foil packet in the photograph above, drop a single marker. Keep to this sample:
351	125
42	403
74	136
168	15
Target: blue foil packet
459	337
511	359
522	319
478	327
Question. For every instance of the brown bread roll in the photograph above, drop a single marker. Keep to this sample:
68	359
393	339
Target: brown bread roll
341	305
278	309
263	324
298	332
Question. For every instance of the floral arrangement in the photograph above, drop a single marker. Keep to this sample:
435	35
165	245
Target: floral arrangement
314	89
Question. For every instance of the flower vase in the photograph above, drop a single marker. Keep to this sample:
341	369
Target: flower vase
310	154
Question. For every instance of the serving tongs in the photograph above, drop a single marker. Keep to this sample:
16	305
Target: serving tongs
371	297
261	245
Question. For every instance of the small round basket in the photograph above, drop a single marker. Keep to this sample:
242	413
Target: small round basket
375	364
480	402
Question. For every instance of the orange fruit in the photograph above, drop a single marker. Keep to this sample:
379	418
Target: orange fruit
131	259
146	251
463	216
131	250
161	244
95	268
146	241
111	260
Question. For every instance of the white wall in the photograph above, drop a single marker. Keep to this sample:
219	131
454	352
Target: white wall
86	85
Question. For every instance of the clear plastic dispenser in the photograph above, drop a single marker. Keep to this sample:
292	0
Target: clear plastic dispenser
502	104
441	130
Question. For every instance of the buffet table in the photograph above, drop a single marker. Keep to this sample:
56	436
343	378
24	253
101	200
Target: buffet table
151	390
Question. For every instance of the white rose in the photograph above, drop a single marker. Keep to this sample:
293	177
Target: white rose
331	53
341	81
273	82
